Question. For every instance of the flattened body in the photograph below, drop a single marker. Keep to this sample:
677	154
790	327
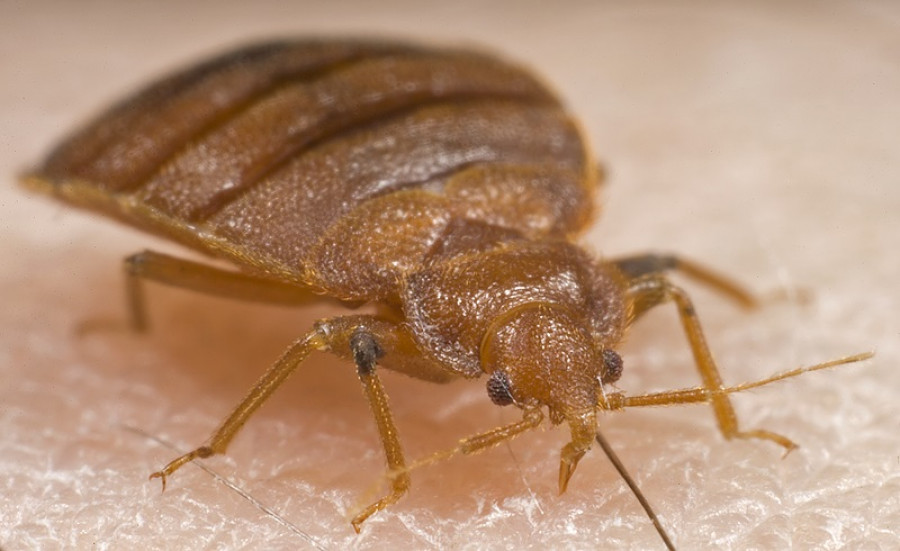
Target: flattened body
299	159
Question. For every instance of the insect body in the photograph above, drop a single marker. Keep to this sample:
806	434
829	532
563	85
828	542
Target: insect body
446	186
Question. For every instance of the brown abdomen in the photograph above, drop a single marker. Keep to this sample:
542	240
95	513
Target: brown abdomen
259	154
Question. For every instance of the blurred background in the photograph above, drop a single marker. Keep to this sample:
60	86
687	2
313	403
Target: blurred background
758	137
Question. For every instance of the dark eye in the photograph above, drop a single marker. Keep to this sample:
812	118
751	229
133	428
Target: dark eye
612	366
498	388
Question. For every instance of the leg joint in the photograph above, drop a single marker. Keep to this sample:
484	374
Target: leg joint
133	264
366	351
647	264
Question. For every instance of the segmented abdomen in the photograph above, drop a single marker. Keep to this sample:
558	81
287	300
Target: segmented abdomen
257	154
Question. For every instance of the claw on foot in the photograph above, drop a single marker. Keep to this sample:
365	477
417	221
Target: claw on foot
177	463
782	441
162	476
357	524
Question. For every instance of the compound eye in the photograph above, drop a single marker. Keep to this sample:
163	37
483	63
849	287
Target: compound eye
498	388
612	366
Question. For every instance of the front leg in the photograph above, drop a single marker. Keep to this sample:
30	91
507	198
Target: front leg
653	289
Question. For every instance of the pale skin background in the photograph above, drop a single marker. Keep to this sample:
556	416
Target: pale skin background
761	139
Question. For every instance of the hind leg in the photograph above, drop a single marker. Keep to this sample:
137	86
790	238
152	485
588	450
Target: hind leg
203	278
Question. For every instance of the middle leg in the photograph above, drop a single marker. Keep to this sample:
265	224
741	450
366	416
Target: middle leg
650	264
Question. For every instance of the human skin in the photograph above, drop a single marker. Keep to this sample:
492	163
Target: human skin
760	140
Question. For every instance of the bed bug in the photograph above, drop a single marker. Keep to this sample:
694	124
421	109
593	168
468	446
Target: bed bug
445	186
